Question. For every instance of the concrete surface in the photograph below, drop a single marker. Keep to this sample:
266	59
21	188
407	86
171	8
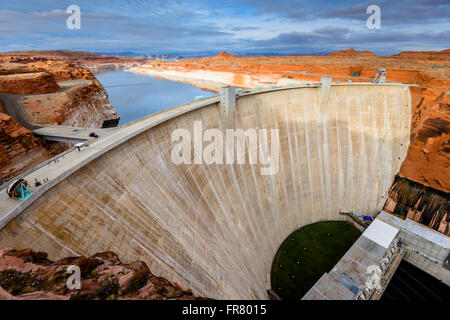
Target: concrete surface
216	228
381	233
426	248
351	272
12	106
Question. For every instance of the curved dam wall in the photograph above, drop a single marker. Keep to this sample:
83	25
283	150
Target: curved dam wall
216	228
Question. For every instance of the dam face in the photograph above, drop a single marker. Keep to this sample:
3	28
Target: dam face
216	228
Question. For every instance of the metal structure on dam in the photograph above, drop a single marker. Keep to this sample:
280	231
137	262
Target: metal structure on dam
216	228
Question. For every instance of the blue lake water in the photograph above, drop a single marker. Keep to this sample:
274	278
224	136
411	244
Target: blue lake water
135	96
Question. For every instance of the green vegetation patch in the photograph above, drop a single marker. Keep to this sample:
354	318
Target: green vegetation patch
307	254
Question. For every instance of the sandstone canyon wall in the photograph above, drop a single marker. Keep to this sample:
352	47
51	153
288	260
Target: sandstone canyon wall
75	58
50	92
19	149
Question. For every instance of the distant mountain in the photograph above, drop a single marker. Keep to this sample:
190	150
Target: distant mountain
176	56
164	56
121	54
275	54
77	58
352	52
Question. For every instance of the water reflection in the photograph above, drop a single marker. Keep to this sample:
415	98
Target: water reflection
135	96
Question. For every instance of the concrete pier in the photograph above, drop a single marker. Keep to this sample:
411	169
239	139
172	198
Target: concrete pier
228	106
351	277
324	93
425	248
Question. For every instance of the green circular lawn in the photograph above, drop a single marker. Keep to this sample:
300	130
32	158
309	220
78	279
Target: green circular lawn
307	254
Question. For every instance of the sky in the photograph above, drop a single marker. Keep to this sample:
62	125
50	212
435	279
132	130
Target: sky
240	27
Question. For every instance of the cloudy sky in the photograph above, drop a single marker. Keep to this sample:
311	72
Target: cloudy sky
245	26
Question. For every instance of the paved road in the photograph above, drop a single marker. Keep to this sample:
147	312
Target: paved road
13	107
71	134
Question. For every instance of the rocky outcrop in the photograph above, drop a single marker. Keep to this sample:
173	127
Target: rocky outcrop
424	55
29	275
352	52
81	104
28	83
429	152
89	106
19	149
50	92
62	71
76	58
425	205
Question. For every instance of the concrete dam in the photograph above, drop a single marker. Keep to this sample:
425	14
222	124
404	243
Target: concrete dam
216	228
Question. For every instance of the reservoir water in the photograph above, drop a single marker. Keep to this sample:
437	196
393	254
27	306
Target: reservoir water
135	96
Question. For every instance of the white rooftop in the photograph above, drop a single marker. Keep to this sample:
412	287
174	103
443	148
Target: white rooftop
381	233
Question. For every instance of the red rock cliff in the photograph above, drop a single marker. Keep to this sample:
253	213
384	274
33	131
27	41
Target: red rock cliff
29	275
28	83
20	150
50	92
